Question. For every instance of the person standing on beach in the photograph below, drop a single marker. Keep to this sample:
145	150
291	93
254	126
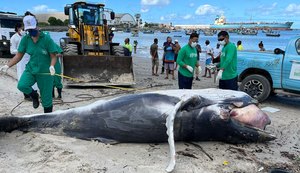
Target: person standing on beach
239	45
227	74
40	68
187	61
14	44
209	57
169	58
128	47
111	34
57	79
198	71
135	43
177	48
154	57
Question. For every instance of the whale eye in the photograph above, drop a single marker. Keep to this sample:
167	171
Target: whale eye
238	104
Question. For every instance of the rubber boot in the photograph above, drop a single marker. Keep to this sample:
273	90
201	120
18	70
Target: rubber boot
59	92
27	97
35	99
48	109
53	93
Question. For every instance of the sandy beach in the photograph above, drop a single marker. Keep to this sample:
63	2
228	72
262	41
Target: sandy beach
35	152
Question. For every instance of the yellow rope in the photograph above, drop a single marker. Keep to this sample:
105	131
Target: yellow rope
77	80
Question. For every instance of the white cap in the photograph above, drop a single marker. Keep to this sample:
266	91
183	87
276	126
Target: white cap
113	28
176	40
29	22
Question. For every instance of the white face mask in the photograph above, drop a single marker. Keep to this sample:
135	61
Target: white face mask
22	33
222	43
194	44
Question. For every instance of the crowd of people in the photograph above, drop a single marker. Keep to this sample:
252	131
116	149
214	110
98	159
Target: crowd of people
185	59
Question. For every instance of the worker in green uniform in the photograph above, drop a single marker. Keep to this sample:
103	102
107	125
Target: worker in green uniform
40	68
227	75
187	60
57	79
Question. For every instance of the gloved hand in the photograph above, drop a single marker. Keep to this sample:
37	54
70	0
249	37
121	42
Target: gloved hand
52	70
219	76
199	69
4	68
189	68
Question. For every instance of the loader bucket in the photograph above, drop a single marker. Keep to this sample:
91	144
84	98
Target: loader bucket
103	70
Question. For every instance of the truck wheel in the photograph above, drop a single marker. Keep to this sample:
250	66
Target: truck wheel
118	50
257	86
70	49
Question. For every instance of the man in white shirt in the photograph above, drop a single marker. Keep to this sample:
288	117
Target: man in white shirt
209	57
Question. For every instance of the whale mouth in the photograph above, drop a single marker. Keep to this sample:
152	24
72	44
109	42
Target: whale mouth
251	120
251	116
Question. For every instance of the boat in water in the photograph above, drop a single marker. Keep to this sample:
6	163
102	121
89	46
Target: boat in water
165	31
148	32
221	24
272	34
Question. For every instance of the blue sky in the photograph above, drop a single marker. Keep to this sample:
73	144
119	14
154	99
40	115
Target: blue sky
180	11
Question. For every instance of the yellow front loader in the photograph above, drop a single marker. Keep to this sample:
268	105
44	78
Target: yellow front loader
90	59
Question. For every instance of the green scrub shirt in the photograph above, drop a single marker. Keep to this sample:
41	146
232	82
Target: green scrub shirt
37	69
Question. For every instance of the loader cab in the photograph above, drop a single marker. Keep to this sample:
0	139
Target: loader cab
88	30
88	14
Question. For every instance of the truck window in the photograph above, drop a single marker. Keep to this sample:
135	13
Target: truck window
298	46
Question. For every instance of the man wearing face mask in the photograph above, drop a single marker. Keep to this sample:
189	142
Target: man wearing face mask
14	44
40	68
227	74
187	61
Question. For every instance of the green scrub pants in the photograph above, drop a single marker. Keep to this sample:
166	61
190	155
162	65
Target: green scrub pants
44	82
57	79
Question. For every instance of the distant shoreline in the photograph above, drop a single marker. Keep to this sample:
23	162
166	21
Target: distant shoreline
54	28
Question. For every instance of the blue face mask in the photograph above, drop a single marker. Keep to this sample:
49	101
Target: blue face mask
33	32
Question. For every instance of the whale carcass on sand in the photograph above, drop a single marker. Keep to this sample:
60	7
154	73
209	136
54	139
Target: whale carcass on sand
158	116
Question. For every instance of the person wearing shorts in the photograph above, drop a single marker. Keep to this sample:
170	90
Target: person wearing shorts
154	57
169	58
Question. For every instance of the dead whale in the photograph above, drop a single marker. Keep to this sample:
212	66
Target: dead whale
188	115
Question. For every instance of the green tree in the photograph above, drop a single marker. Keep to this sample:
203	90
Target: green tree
52	21
66	22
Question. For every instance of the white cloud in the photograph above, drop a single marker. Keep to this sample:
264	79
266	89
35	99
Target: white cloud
155	2
188	16
171	16
43	8
292	9
208	10
144	10
191	4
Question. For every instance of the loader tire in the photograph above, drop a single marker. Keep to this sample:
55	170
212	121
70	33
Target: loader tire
118	50
70	49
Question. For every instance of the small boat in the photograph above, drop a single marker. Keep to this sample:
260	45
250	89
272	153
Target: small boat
177	35
249	32
208	32
165	31
272	34
189	32
148	32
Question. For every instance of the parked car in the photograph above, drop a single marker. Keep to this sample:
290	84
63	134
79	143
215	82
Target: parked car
264	73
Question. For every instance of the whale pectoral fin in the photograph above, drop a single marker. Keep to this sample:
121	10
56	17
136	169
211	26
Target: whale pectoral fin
105	140
194	102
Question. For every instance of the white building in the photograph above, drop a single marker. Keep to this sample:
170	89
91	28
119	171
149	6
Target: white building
124	18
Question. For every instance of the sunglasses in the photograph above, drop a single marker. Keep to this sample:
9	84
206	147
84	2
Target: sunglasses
221	39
